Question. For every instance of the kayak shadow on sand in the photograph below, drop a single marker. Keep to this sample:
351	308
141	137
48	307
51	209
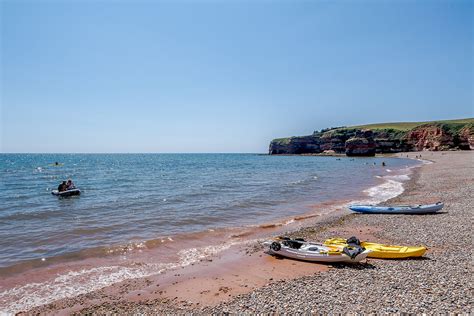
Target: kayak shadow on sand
354	266
401	214
407	259
337	265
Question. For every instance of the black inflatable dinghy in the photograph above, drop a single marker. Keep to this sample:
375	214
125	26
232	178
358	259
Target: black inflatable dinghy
66	193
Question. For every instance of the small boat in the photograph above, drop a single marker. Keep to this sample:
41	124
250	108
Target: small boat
380	251
66	193
401	209
306	251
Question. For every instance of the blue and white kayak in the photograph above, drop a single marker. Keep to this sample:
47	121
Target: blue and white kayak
402	209
66	193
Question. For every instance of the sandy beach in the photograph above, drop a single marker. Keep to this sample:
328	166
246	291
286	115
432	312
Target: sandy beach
245	279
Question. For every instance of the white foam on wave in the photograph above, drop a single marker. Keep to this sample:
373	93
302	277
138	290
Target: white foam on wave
74	283
296	182
288	222
390	188
301	181
400	177
385	191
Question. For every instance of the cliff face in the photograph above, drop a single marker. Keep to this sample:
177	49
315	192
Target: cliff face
295	145
466	137
430	138
362	144
365	142
390	141
335	140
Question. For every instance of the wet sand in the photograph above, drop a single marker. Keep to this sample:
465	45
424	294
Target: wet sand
243	278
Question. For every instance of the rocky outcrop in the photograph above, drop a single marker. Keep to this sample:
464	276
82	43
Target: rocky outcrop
466	137
362	144
430	137
295	145
390	141
365	142
335	140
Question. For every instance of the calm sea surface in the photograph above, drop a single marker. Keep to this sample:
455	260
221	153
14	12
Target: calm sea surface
138	197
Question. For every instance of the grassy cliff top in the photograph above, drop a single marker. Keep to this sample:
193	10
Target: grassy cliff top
392	130
282	141
406	126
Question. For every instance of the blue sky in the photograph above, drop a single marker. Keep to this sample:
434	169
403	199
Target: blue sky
224	76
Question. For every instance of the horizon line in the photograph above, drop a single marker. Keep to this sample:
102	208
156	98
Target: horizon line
125	153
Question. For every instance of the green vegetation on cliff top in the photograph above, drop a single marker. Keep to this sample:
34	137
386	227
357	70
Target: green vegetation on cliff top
282	141
393	130
406	126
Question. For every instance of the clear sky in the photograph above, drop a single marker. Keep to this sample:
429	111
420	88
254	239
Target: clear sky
224	76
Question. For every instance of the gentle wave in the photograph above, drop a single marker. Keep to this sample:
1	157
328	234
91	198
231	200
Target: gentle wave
75	283
385	191
392	187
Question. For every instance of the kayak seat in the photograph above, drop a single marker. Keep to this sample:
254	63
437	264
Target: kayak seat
293	244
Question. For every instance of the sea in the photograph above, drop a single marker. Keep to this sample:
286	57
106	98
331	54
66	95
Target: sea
131	204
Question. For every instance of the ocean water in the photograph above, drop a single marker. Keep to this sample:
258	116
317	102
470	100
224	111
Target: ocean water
133	198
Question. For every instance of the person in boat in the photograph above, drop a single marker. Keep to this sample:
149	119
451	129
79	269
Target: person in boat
62	187
70	185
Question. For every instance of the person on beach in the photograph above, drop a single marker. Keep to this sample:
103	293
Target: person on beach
70	185
62	187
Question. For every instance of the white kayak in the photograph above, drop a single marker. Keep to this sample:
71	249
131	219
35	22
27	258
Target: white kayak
402	209
302	250
66	193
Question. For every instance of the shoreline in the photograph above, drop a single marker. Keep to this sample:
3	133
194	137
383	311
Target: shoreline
332	209
211	287
290	212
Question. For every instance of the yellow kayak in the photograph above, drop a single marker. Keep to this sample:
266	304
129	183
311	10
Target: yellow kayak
382	251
